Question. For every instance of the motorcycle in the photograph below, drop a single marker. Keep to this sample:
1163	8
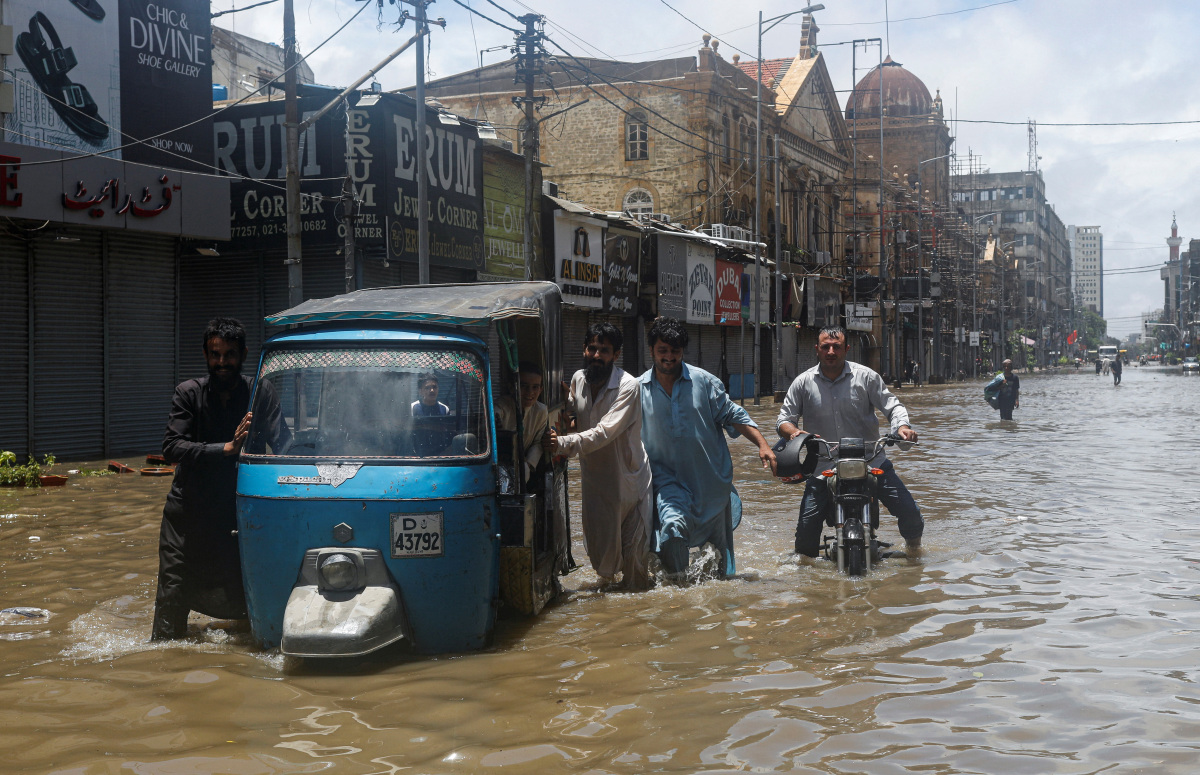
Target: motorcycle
853	484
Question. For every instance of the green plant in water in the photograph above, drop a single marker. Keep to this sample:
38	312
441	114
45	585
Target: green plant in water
15	475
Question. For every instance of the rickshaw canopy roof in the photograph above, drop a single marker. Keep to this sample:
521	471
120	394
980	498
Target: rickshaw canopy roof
461	304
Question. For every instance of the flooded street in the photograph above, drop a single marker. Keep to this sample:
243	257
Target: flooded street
1052	627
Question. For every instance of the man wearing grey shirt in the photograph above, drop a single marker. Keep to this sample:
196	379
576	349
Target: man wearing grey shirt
837	400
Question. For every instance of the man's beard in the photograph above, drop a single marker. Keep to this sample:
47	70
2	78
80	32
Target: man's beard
673	371
225	379
598	372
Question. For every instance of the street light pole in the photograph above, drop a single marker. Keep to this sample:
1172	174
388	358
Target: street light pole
975	293
757	309
920	265
757	214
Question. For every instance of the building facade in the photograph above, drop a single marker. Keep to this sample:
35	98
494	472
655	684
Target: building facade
242	66
675	142
1087	263
1016	201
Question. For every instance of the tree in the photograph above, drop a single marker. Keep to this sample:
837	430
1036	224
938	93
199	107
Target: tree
1093	330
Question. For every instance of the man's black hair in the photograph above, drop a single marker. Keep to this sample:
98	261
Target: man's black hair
229	329
528	367
426	377
834	331
604	332
670	330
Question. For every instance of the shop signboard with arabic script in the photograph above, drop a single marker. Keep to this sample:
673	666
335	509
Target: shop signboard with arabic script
57	186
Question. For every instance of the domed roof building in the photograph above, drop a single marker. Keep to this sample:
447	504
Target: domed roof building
904	94
912	125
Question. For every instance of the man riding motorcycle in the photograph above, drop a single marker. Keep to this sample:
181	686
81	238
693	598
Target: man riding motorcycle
837	399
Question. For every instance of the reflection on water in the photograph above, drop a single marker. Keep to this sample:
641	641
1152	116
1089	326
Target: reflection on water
1052	627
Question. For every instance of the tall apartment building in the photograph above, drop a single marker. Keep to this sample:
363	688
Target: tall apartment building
1016	202
1087	263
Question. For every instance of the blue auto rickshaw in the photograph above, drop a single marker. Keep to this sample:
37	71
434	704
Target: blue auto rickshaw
369	515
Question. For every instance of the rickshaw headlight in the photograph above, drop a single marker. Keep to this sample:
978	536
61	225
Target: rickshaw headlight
852	469
339	572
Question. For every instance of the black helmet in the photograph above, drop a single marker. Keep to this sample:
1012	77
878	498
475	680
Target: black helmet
796	457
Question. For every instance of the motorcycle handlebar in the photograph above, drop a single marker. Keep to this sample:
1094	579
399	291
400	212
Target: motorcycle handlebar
889	440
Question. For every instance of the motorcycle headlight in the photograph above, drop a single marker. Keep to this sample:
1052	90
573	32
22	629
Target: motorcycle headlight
339	572
852	469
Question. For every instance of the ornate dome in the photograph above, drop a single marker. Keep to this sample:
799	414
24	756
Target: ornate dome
903	94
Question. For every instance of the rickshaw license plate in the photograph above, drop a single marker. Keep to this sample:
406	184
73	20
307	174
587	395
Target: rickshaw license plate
417	535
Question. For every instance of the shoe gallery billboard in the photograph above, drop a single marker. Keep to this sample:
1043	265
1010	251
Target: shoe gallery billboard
96	76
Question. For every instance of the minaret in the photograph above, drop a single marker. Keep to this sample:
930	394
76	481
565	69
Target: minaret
1173	293
1174	240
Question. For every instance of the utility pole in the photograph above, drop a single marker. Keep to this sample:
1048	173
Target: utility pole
422	167
349	209
757	218
291	123
529	66
778	273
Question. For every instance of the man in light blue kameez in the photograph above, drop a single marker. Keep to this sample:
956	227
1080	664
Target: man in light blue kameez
685	413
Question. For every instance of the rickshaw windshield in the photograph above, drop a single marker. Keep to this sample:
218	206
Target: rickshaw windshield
399	402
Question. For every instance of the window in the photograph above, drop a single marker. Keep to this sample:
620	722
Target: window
726	139
408	403
637	146
638	202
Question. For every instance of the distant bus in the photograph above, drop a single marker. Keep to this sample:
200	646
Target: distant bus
1108	351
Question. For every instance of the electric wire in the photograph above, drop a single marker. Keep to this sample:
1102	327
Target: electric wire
239	10
485	17
207	117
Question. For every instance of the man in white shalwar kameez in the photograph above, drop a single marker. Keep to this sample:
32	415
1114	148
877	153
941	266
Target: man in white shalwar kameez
614	470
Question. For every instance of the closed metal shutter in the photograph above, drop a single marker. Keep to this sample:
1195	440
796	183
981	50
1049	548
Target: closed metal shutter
324	274
68	358
704	349
733	349
806	349
211	287
14	337
574	325
140	292
375	275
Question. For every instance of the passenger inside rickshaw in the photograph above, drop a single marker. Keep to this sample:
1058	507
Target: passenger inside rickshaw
361	405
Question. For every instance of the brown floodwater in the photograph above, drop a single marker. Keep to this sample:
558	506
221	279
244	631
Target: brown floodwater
1053	626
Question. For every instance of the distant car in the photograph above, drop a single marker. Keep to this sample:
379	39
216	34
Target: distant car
1191	364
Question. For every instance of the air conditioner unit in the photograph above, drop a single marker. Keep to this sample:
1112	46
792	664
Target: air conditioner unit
719	231
661	217
549	188
737	233
824	257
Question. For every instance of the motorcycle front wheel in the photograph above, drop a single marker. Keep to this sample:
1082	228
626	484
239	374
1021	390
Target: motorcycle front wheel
856	560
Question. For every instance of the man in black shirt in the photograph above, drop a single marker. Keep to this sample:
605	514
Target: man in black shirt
199	568
1009	397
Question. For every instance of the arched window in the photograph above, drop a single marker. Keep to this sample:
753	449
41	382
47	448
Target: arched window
726	138
638	202
637	146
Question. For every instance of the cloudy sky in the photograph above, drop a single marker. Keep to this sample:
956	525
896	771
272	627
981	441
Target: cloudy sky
1053	61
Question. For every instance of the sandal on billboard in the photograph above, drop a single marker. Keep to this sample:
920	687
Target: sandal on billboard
49	66
91	8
